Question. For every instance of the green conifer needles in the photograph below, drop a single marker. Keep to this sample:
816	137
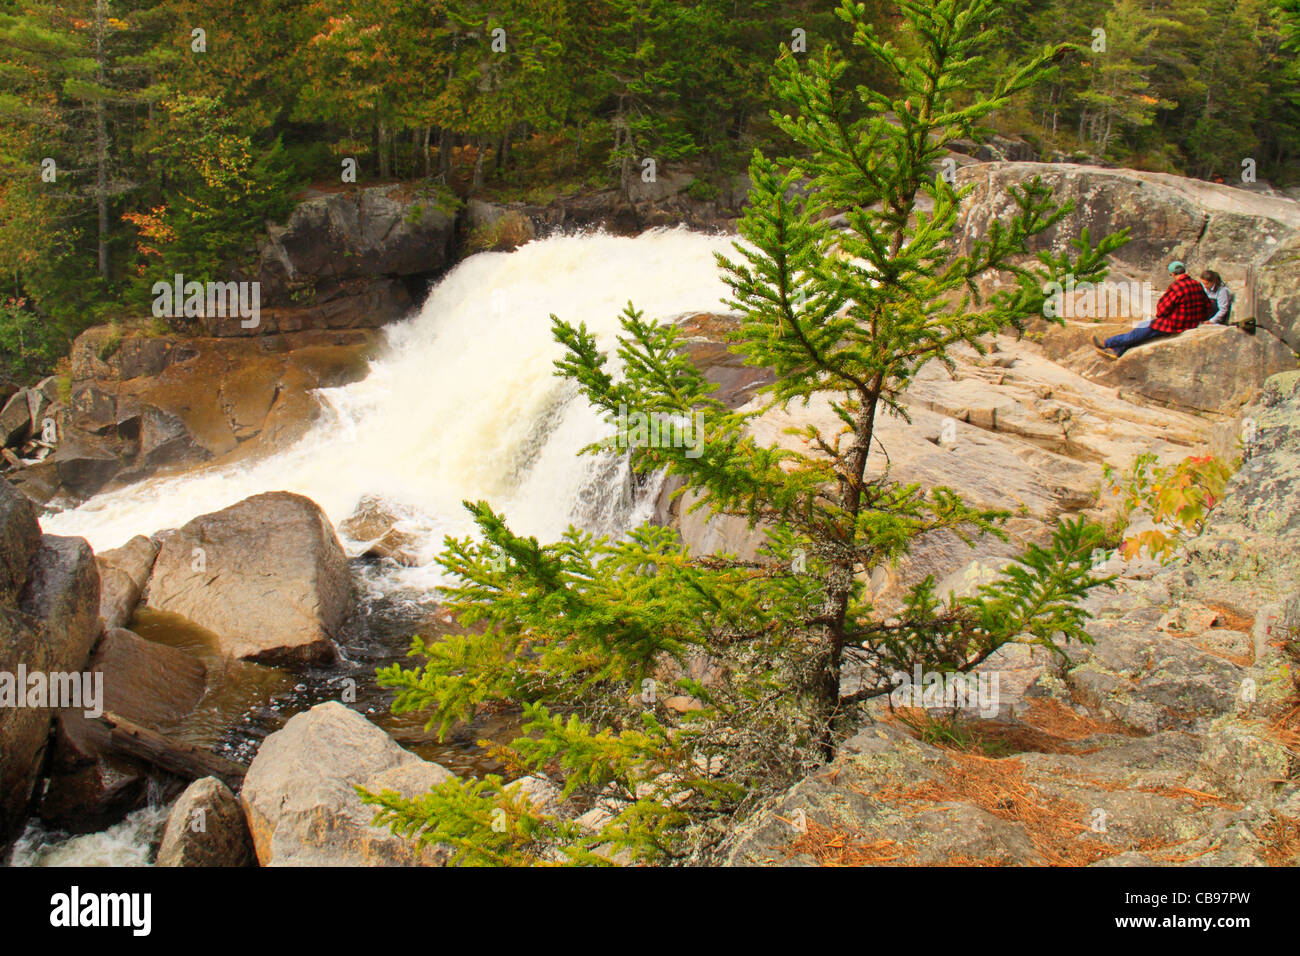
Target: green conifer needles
667	692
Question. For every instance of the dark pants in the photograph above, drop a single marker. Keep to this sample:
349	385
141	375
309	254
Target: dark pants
1126	340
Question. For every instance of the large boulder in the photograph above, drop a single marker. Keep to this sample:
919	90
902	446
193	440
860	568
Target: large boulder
206	827
107	353
24	731
149	684
1212	368
339	236
168	401
20	535
123	574
267	575
15	420
62	592
1277	292
85	464
300	800
50	631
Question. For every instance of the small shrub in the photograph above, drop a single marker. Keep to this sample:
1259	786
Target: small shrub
1177	499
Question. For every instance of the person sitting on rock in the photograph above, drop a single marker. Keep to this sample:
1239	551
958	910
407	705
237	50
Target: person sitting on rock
1184	306
1220	297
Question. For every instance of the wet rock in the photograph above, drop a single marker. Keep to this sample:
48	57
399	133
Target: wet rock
267	575
39	482
50	631
165	439
23	730
85	464
206	827
62	592
300	801
188	401
123	574
146	683
20	536
374	527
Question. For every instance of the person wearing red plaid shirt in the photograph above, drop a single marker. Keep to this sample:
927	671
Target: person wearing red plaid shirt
1183	306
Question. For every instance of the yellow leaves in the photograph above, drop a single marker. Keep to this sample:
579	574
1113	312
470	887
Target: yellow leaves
1177	500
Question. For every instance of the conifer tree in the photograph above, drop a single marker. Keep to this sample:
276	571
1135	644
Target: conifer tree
590	636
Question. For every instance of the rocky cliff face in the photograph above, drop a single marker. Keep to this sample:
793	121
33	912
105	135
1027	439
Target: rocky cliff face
136	404
1171	740
1252	240
349	259
49	621
1029	427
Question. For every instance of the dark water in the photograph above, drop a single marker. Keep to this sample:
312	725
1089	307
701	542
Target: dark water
245	702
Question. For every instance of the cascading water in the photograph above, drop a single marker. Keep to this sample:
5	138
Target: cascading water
463	403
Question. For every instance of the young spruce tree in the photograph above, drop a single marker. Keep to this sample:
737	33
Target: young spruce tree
591	637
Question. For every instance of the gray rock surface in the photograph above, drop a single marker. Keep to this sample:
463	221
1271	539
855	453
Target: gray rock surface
267	575
123	574
206	827
300	801
1155	745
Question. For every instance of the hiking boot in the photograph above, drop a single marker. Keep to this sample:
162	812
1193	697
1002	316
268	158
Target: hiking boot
1107	353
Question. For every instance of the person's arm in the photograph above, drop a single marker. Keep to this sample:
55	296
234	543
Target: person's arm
1166	303
1223	300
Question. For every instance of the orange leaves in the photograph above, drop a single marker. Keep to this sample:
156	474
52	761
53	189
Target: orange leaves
1176	500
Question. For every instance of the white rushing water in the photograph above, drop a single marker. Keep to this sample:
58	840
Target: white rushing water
128	843
462	403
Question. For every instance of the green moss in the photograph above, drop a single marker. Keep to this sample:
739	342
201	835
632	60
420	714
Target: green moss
108	348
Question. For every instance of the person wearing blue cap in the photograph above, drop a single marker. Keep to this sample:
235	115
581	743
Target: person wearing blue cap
1183	306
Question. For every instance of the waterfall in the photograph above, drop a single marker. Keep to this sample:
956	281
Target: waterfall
462	403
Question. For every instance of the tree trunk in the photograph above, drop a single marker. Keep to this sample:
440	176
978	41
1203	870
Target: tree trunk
478	164
385	167
101	139
841	572
116	734
444	153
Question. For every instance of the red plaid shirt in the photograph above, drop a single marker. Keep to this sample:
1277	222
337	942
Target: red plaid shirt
1183	306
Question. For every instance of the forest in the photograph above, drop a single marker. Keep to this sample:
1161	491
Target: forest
139	138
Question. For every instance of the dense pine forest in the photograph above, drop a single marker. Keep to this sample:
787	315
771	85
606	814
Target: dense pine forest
139	138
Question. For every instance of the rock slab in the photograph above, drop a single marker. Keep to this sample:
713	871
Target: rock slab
267	575
300	800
